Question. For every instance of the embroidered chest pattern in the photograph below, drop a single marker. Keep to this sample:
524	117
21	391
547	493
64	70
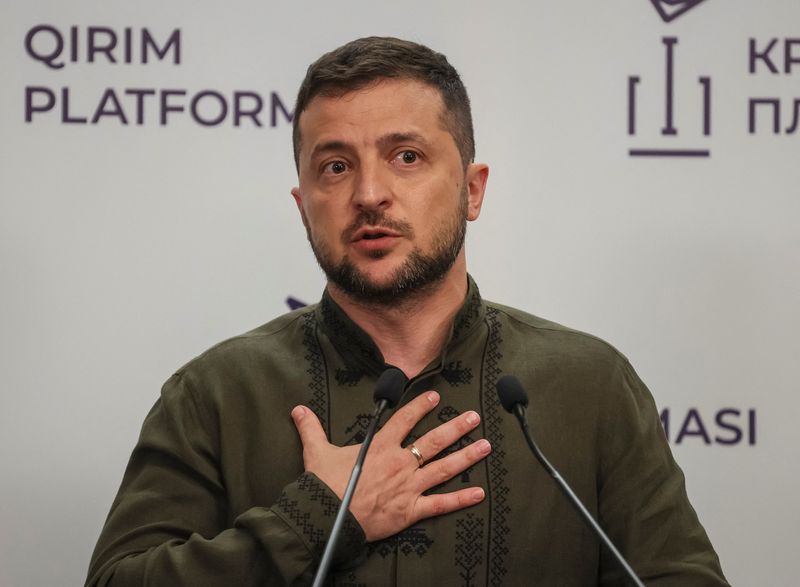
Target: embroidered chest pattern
469	547
348	377
414	540
357	431
498	490
315	370
455	374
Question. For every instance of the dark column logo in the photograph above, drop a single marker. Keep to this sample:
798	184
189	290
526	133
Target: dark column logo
672	9
669	128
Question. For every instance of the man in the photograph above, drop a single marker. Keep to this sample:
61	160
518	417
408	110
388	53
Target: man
224	488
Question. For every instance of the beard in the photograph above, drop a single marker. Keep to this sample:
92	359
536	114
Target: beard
419	273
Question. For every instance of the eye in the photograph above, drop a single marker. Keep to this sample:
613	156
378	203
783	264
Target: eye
408	157
335	167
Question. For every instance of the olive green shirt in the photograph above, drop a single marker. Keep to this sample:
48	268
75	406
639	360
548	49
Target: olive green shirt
215	493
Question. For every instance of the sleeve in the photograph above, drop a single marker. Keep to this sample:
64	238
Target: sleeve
169	524
643	503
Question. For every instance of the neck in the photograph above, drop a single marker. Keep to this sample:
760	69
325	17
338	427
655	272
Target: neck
411	333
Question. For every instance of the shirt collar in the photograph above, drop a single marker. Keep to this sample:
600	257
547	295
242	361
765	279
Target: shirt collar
358	349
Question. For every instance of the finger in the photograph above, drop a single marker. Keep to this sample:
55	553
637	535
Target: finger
403	420
311	432
442	470
435	441
428	506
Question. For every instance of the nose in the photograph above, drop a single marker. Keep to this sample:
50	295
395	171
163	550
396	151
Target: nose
373	189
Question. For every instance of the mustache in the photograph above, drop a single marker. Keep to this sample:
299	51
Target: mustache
376	219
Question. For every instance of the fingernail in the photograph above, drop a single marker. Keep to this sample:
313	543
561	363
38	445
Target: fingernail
483	446
478	494
433	397
298	413
473	418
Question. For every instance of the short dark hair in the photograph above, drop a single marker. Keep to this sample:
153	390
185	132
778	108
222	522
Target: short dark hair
367	60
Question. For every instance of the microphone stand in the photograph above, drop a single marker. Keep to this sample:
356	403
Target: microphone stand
519	412
338	523
387	393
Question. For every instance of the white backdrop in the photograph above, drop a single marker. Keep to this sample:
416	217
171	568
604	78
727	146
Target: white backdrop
126	249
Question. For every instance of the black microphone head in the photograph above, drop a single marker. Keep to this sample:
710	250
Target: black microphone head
511	393
390	386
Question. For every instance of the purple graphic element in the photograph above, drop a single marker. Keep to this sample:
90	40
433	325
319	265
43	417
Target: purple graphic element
633	81
137	106
126	46
669	153
294	303
705	81
726	426
669	129
672	9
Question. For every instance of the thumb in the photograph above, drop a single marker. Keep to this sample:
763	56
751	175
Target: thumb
311	432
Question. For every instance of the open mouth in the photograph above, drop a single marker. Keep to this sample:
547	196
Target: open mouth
374	235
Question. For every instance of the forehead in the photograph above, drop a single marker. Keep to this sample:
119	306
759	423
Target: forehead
384	106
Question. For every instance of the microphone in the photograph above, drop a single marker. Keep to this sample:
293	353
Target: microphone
514	399
388	389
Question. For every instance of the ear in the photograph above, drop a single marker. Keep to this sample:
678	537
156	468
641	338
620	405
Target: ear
476	177
298	200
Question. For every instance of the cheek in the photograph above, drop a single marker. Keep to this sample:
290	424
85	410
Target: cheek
438	200
321	221
313	210
303	217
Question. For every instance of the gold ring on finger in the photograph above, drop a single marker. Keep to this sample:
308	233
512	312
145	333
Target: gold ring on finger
415	451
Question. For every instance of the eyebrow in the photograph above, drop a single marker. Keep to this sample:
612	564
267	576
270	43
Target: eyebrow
383	142
401	137
330	146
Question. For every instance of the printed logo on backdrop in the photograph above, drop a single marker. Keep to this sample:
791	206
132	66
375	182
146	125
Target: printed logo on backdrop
761	114
727	426
672	9
59	51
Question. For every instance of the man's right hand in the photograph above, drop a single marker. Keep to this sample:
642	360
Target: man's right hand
389	496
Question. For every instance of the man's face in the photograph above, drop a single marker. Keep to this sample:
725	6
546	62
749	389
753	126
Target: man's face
383	193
